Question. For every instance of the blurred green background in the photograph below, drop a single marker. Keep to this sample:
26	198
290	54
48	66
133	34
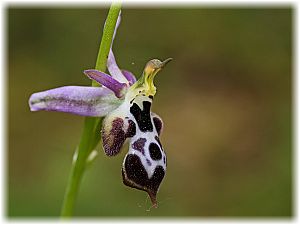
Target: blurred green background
226	102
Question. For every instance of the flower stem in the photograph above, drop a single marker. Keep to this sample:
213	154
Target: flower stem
91	132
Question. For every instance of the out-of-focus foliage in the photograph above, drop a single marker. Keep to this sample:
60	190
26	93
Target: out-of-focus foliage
226	101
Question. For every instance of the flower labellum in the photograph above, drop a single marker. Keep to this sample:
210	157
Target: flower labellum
144	166
126	104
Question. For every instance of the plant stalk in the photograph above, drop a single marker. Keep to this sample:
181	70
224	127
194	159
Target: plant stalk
90	135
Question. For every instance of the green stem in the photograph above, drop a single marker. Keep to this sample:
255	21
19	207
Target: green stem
90	135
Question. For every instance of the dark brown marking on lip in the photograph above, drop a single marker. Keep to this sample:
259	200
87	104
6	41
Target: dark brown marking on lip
139	145
131	131
142	117
155	152
158	124
135	176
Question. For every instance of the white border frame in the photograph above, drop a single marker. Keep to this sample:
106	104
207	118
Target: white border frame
212	3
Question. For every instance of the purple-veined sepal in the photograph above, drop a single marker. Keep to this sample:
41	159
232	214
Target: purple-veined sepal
112	66
79	100
114	69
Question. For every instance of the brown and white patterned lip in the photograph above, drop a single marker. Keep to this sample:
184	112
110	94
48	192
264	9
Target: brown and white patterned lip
135	175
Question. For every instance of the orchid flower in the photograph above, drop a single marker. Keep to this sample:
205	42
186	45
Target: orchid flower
126	105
